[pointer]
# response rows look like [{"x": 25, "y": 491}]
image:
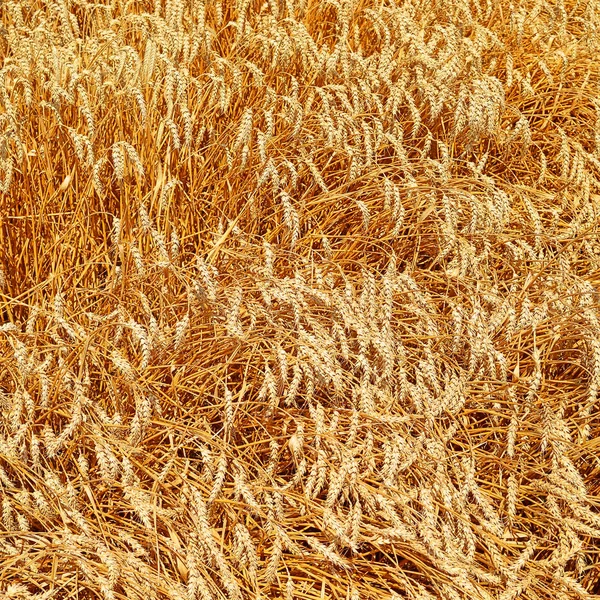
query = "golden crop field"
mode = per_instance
[{"x": 299, "y": 299}]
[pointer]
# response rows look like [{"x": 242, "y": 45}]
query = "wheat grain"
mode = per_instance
[{"x": 347, "y": 381}]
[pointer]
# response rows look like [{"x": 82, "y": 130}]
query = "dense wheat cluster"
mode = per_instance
[{"x": 299, "y": 299}]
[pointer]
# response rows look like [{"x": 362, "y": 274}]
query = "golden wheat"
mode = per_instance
[{"x": 299, "y": 299}]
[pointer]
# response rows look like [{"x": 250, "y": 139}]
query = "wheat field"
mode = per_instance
[{"x": 300, "y": 299}]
